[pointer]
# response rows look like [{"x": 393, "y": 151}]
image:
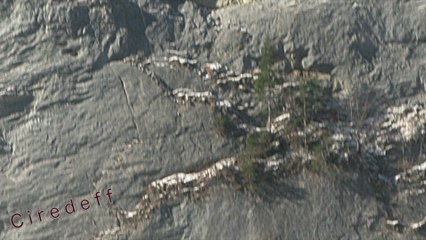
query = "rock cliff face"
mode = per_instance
[
  {"x": 98, "y": 94},
  {"x": 222, "y": 3}
]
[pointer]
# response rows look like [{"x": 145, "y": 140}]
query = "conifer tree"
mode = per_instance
[{"x": 266, "y": 80}]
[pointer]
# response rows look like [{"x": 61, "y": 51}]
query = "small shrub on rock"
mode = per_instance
[
  {"x": 224, "y": 126},
  {"x": 257, "y": 145}
]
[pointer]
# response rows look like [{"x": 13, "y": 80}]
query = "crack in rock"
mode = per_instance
[{"x": 130, "y": 108}]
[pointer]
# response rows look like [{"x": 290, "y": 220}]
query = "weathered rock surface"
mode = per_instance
[
  {"x": 76, "y": 119},
  {"x": 221, "y": 3}
]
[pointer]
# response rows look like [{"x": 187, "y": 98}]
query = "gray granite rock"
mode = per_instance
[{"x": 75, "y": 119}]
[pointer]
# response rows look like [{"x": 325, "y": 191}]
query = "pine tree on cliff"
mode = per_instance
[{"x": 266, "y": 80}]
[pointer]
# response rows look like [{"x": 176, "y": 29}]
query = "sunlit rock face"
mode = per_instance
[
  {"x": 76, "y": 117},
  {"x": 222, "y": 3}
]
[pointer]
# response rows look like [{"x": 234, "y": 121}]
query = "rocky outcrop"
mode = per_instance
[
  {"x": 222, "y": 3},
  {"x": 406, "y": 122},
  {"x": 72, "y": 109}
]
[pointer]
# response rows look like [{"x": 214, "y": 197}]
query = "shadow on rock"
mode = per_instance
[
  {"x": 129, "y": 23},
  {"x": 277, "y": 189},
  {"x": 422, "y": 232},
  {"x": 10, "y": 104},
  {"x": 267, "y": 186}
]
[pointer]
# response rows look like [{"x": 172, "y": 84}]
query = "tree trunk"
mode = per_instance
[
  {"x": 269, "y": 112},
  {"x": 421, "y": 146},
  {"x": 269, "y": 116},
  {"x": 304, "y": 119}
]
